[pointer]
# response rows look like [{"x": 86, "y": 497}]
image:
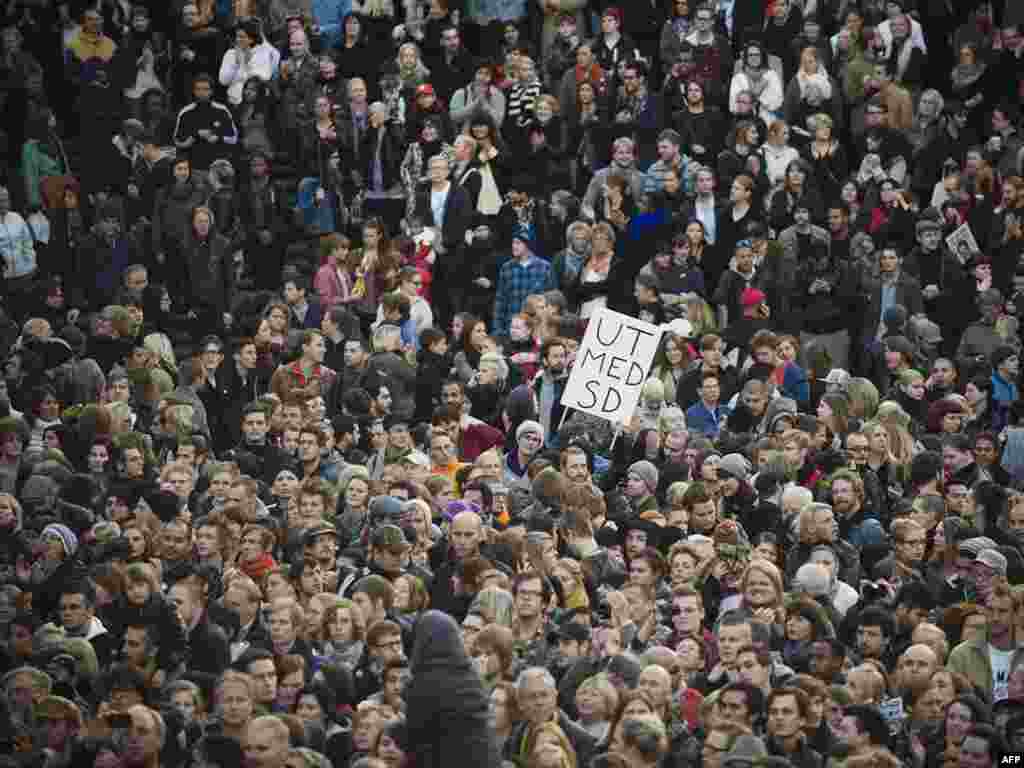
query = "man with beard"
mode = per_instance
[
  {"x": 548, "y": 387},
  {"x": 205, "y": 128},
  {"x": 670, "y": 158},
  {"x": 987, "y": 662},
  {"x": 635, "y": 110},
  {"x": 1008, "y": 220},
  {"x": 700, "y": 125},
  {"x": 857, "y": 524}
]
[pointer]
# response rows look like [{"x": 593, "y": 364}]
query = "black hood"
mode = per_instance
[{"x": 437, "y": 643}]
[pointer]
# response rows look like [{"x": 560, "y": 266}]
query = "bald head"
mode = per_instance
[
  {"x": 916, "y": 666},
  {"x": 932, "y": 636},
  {"x": 466, "y": 533}
]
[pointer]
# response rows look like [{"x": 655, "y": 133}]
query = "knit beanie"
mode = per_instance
[
  {"x": 66, "y": 536},
  {"x": 529, "y": 426}
]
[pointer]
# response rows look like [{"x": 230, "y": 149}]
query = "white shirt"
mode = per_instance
[
  {"x": 235, "y": 69},
  {"x": 1000, "y": 662}
]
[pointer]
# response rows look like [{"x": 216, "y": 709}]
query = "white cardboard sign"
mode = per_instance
[{"x": 611, "y": 366}]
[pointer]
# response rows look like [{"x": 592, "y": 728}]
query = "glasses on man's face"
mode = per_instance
[
  {"x": 395, "y": 644},
  {"x": 913, "y": 543},
  {"x": 532, "y": 594},
  {"x": 534, "y": 697}
]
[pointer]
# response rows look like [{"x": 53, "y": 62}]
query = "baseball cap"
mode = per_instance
[
  {"x": 900, "y": 344},
  {"x": 389, "y": 537},
  {"x": 321, "y": 530},
  {"x": 751, "y": 297},
  {"x": 838, "y": 376},
  {"x": 385, "y": 509},
  {"x": 419, "y": 458},
  {"x": 994, "y": 560},
  {"x": 973, "y": 547},
  {"x": 927, "y": 331}
]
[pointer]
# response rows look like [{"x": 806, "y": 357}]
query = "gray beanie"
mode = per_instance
[
  {"x": 735, "y": 465},
  {"x": 813, "y": 579},
  {"x": 529, "y": 426},
  {"x": 646, "y": 472}
]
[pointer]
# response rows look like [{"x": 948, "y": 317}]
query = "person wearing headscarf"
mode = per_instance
[{"x": 446, "y": 709}]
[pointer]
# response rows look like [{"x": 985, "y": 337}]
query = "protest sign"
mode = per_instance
[{"x": 611, "y": 366}]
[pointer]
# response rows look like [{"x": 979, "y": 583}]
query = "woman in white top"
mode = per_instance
[
  {"x": 777, "y": 153},
  {"x": 762, "y": 81},
  {"x": 251, "y": 57}
]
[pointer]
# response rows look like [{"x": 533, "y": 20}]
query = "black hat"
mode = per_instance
[
  {"x": 573, "y": 630},
  {"x": 315, "y": 533},
  {"x": 164, "y": 504},
  {"x": 651, "y": 529}
]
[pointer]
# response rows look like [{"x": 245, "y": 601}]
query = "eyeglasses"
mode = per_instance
[
  {"x": 393, "y": 644},
  {"x": 916, "y": 543},
  {"x": 530, "y": 593},
  {"x": 535, "y": 697}
]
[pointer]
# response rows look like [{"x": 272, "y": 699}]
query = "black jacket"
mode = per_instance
[
  {"x": 446, "y": 707},
  {"x": 208, "y": 649},
  {"x": 457, "y": 217}
]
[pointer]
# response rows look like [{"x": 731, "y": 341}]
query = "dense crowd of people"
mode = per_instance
[{"x": 291, "y": 294}]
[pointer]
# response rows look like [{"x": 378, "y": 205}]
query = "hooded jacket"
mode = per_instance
[
  {"x": 172, "y": 212},
  {"x": 446, "y": 708}
]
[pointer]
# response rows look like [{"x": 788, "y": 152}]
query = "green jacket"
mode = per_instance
[
  {"x": 35, "y": 166},
  {"x": 971, "y": 660}
]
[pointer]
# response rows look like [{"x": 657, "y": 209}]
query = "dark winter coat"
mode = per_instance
[{"x": 446, "y": 707}]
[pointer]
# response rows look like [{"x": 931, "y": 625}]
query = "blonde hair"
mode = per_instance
[
  {"x": 553, "y": 729},
  {"x": 603, "y": 685}
]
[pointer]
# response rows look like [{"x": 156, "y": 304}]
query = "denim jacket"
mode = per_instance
[{"x": 16, "y": 246}]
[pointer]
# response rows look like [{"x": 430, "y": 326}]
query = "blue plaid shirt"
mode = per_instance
[{"x": 516, "y": 281}]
